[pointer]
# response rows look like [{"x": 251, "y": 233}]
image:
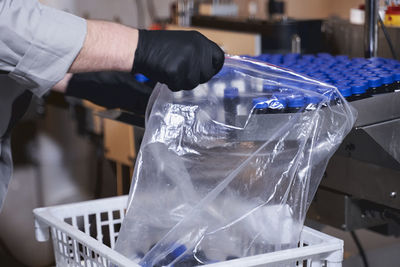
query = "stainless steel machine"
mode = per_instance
[{"x": 361, "y": 185}]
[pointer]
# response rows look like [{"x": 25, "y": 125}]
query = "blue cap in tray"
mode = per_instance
[
  {"x": 313, "y": 99},
  {"x": 260, "y": 102},
  {"x": 231, "y": 92},
  {"x": 397, "y": 76},
  {"x": 295, "y": 100},
  {"x": 178, "y": 251},
  {"x": 358, "y": 89},
  {"x": 387, "y": 78},
  {"x": 374, "y": 81},
  {"x": 345, "y": 90},
  {"x": 269, "y": 87}
]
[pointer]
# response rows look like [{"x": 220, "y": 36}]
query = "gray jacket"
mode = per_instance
[{"x": 37, "y": 46}]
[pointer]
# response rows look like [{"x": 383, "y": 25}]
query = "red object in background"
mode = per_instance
[
  {"x": 393, "y": 10},
  {"x": 156, "y": 27},
  {"x": 392, "y": 16}
]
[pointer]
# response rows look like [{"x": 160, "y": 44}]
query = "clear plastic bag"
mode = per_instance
[{"x": 229, "y": 169}]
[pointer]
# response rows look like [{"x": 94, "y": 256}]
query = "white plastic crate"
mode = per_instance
[{"x": 84, "y": 234}]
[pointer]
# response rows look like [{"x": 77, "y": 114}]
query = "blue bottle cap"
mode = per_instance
[
  {"x": 313, "y": 99},
  {"x": 357, "y": 77},
  {"x": 387, "y": 67},
  {"x": 141, "y": 78},
  {"x": 354, "y": 81},
  {"x": 281, "y": 97},
  {"x": 358, "y": 89},
  {"x": 383, "y": 73},
  {"x": 343, "y": 82},
  {"x": 367, "y": 74},
  {"x": 387, "y": 78},
  {"x": 344, "y": 63},
  {"x": 360, "y": 60},
  {"x": 263, "y": 57},
  {"x": 224, "y": 71},
  {"x": 295, "y": 101},
  {"x": 231, "y": 92},
  {"x": 342, "y": 57},
  {"x": 397, "y": 76},
  {"x": 277, "y": 102},
  {"x": 361, "y": 82},
  {"x": 260, "y": 102},
  {"x": 178, "y": 251},
  {"x": 310, "y": 87},
  {"x": 292, "y": 55},
  {"x": 269, "y": 87},
  {"x": 308, "y": 57},
  {"x": 335, "y": 76},
  {"x": 373, "y": 65},
  {"x": 327, "y": 92},
  {"x": 345, "y": 91},
  {"x": 291, "y": 84},
  {"x": 374, "y": 82}
]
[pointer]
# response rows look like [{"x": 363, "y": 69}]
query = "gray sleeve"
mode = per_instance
[
  {"x": 37, "y": 43},
  {"x": 6, "y": 167}
]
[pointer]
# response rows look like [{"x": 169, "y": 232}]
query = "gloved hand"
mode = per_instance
[
  {"x": 111, "y": 90},
  {"x": 180, "y": 59}
]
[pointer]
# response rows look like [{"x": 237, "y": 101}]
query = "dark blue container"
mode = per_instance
[
  {"x": 260, "y": 105},
  {"x": 345, "y": 91},
  {"x": 308, "y": 57},
  {"x": 277, "y": 103},
  {"x": 295, "y": 102},
  {"x": 374, "y": 85},
  {"x": 231, "y": 93},
  {"x": 387, "y": 82},
  {"x": 342, "y": 58},
  {"x": 329, "y": 93},
  {"x": 172, "y": 256},
  {"x": 270, "y": 88},
  {"x": 231, "y": 101},
  {"x": 342, "y": 82},
  {"x": 312, "y": 101},
  {"x": 397, "y": 81},
  {"x": 359, "y": 91}
]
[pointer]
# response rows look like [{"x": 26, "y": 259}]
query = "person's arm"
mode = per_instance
[
  {"x": 110, "y": 89},
  {"x": 39, "y": 45},
  {"x": 62, "y": 85},
  {"x": 107, "y": 46},
  {"x": 180, "y": 59}
]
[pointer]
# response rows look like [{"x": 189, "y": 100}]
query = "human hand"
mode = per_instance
[
  {"x": 111, "y": 90},
  {"x": 180, "y": 59}
]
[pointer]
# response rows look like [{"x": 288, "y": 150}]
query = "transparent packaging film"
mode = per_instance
[{"x": 229, "y": 169}]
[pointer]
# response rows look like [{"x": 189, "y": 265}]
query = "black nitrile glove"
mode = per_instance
[
  {"x": 180, "y": 59},
  {"x": 111, "y": 90}
]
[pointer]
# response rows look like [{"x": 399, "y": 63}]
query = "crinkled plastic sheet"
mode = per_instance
[{"x": 220, "y": 177}]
